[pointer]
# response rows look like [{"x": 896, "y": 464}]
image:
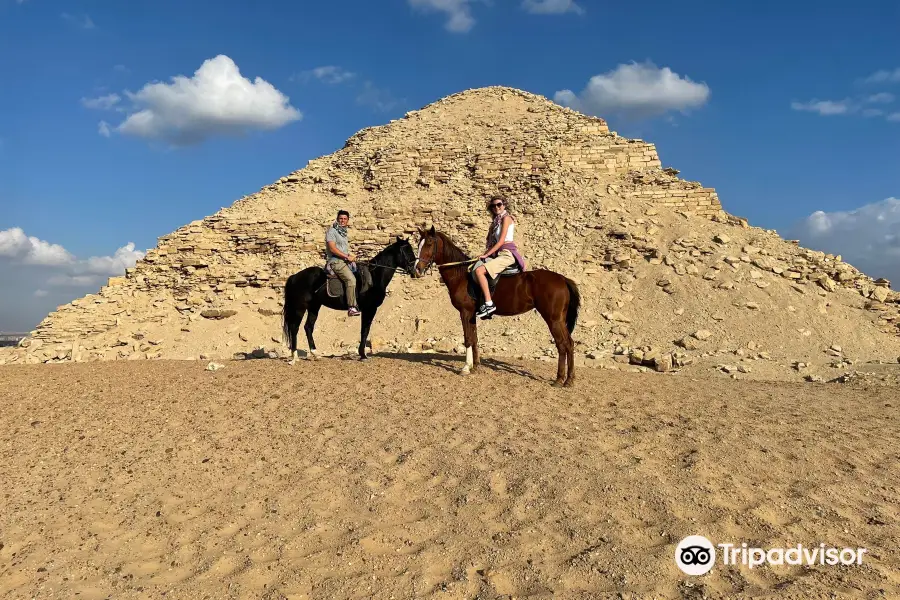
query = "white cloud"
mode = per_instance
[
  {"x": 883, "y": 76},
  {"x": 329, "y": 74},
  {"x": 867, "y": 237},
  {"x": 825, "y": 107},
  {"x": 29, "y": 250},
  {"x": 124, "y": 258},
  {"x": 551, "y": 7},
  {"x": 69, "y": 280},
  {"x": 217, "y": 100},
  {"x": 121, "y": 69},
  {"x": 378, "y": 98},
  {"x": 40, "y": 276},
  {"x": 637, "y": 90},
  {"x": 84, "y": 22},
  {"x": 847, "y": 106},
  {"x": 18, "y": 248},
  {"x": 102, "y": 103},
  {"x": 881, "y": 98},
  {"x": 103, "y": 129},
  {"x": 855, "y": 105},
  {"x": 894, "y": 117},
  {"x": 459, "y": 13}
]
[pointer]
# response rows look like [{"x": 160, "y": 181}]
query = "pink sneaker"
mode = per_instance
[{"x": 353, "y": 312}]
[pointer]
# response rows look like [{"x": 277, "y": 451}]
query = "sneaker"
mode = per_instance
[
  {"x": 486, "y": 311},
  {"x": 353, "y": 312}
]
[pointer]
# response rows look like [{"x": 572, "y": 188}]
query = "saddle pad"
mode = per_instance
[{"x": 334, "y": 287}]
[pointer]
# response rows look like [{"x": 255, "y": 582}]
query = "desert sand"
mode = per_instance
[{"x": 398, "y": 478}]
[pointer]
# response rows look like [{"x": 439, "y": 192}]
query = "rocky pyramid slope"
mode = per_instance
[{"x": 668, "y": 277}]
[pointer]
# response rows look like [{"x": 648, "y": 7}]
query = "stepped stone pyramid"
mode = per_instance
[{"x": 657, "y": 257}]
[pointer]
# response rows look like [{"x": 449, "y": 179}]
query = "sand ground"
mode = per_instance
[{"x": 397, "y": 478}]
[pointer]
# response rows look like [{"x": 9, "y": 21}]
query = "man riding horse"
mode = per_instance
[{"x": 340, "y": 260}]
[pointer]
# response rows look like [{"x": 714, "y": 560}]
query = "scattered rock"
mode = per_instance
[
  {"x": 880, "y": 294},
  {"x": 215, "y": 313},
  {"x": 688, "y": 343},
  {"x": 663, "y": 363}
]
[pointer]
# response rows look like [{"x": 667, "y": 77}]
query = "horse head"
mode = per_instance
[
  {"x": 428, "y": 251},
  {"x": 406, "y": 256}
]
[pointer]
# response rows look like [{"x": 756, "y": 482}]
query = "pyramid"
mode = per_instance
[{"x": 667, "y": 275}]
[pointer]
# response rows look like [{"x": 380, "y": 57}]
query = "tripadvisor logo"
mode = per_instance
[{"x": 696, "y": 555}]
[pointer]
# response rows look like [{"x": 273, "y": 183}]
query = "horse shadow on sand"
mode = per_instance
[{"x": 452, "y": 362}]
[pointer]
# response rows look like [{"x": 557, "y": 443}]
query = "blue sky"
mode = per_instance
[{"x": 788, "y": 124}]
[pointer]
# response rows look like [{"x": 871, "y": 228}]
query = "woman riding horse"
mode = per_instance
[{"x": 501, "y": 253}]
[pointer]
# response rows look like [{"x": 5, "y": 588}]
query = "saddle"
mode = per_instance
[
  {"x": 475, "y": 290},
  {"x": 334, "y": 287}
]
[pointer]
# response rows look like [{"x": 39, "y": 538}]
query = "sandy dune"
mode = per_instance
[{"x": 397, "y": 478}]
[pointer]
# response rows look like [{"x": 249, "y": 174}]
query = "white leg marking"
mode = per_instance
[
  {"x": 294, "y": 357},
  {"x": 469, "y": 361}
]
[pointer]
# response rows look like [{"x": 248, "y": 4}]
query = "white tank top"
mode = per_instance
[{"x": 509, "y": 232}]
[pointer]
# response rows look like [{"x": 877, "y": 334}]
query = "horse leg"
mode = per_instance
[
  {"x": 312, "y": 315},
  {"x": 476, "y": 358},
  {"x": 570, "y": 355},
  {"x": 367, "y": 318},
  {"x": 293, "y": 329},
  {"x": 560, "y": 335},
  {"x": 466, "y": 316},
  {"x": 560, "y": 338}
]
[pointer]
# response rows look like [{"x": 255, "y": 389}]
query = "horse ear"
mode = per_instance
[
  {"x": 399, "y": 239},
  {"x": 431, "y": 231}
]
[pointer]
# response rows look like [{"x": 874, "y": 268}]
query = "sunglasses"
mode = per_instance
[{"x": 496, "y": 205}]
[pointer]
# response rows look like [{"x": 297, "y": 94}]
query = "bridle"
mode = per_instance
[{"x": 396, "y": 268}]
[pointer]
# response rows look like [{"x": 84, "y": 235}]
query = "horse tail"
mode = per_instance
[
  {"x": 574, "y": 304},
  {"x": 287, "y": 310}
]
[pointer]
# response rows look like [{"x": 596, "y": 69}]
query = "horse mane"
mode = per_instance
[
  {"x": 384, "y": 250},
  {"x": 454, "y": 254}
]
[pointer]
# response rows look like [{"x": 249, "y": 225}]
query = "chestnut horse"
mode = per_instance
[{"x": 555, "y": 297}]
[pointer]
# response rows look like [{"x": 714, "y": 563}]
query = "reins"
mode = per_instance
[
  {"x": 397, "y": 269},
  {"x": 452, "y": 264},
  {"x": 432, "y": 263}
]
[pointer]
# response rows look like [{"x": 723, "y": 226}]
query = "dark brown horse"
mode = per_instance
[{"x": 554, "y": 296}]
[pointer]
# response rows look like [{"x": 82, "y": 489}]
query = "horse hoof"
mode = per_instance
[
  {"x": 292, "y": 362},
  {"x": 569, "y": 383},
  {"x": 363, "y": 357},
  {"x": 557, "y": 383},
  {"x": 465, "y": 371}
]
